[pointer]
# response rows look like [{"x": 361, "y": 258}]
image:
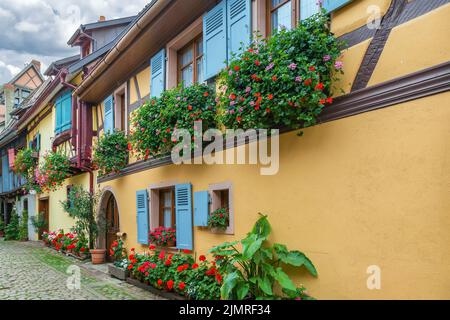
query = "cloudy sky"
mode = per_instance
[{"x": 40, "y": 29}]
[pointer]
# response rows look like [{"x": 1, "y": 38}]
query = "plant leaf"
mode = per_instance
[
  {"x": 250, "y": 245},
  {"x": 229, "y": 283},
  {"x": 265, "y": 285},
  {"x": 284, "y": 280},
  {"x": 242, "y": 290}
]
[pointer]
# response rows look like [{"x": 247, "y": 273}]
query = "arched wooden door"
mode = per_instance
[{"x": 112, "y": 222}]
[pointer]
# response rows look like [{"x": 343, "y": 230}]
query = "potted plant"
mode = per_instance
[
  {"x": 218, "y": 220},
  {"x": 163, "y": 237},
  {"x": 80, "y": 206},
  {"x": 39, "y": 223},
  {"x": 23, "y": 227},
  {"x": 119, "y": 267},
  {"x": 13, "y": 228}
]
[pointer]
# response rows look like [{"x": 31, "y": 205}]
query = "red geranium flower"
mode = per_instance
[
  {"x": 202, "y": 258},
  {"x": 270, "y": 96},
  {"x": 180, "y": 268},
  {"x": 170, "y": 284},
  {"x": 312, "y": 68},
  {"x": 189, "y": 107},
  {"x": 319, "y": 86},
  {"x": 322, "y": 101},
  {"x": 195, "y": 266},
  {"x": 330, "y": 100},
  {"x": 151, "y": 247},
  {"x": 181, "y": 285},
  {"x": 205, "y": 94},
  {"x": 237, "y": 68},
  {"x": 257, "y": 63},
  {"x": 274, "y": 78},
  {"x": 160, "y": 282},
  {"x": 186, "y": 251}
]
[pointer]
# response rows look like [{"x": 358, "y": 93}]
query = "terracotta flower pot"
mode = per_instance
[{"x": 98, "y": 256}]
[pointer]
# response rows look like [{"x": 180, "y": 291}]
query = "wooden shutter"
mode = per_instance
[
  {"x": 66, "y": 111},
  {"x": 108, "y": 121},
  {"x": 238, "y": 25},
  {"x": 215, "y": 40},
  {"x": 158, "y": 73},
  {"x": 183, "y": 217},
  {"x": 38, "y": 142},
  {"x": 142, "y": 216},
  {"x": 308, "y": 8},
  {"x": 201, "y": 208},
  {"x": 332, "y": 5},
  {"x": 58, "y": 122}
]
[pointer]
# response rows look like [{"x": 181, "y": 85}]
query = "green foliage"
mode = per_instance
[
  {"x": 281, "y": 81},
  {"x": 81, "y": 206},
  {"x": 2, "y": 224},
  {"x": 154, "y": 123},
  {"x": 23, "y": 229},
  {"x": 118, "y": 251},
  {"x": 218, "y": 219},
  {"x": 53, "y": 171},
  {"x": 39, "y": 222},
  {"x": 111, "y": 152},
  {"x": 25, "y": 165},
  {"x": 255, "y": 270},
  {"x": 13, "y": 228},
  {"x": 162, "y": 236}
]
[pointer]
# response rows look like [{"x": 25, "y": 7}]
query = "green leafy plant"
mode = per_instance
[
  {"x": 23, "y": 228},
  {"x": 118, "y": 252},
  {"x": 81, "y": 206},
  {"x": 2, "y": 226},
  {"x": 154, "y": 123},
  {"x": 282, "y": 81},
  {"x": 13, "y": 228},
  {"x": 219, "y": 219},
  {"x": 25, "y": 165},
  {"x": 39, "y": 223},
  {"x": 111, "y": 152},
  {"x": 53, "y": 171},
  {"x": 253, "y": 271}
]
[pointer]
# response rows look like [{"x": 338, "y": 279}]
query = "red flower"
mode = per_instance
[
  {"x": 186, "y": 251},
  {"x": 130, "y": 267},
  {"x": 132, "y": 249},
  {"x": 180, "y": 268},
  {"x": 257, "y": 63},
  {"x": 312, "y": 68},
  {"x": 330, "y": 100},
  {"x": 257, "y": 107},
  {"x": 205, "y": 94},
  {"x": 189, "y": 107},
  {"x": 232, "y": 96},
  {"x": 319, "y": 86},
  {"x": 111, "y": 253},
  {"x": 160, "y": 282},
  {"x": 195, "y": 266},
  {"x": 181, "y": 285},
  {"x": 322, "y": 101},
  {"x": 254, "y": 76},
  {"x": 151, "y": 247},
  {"x": 202, "y": 258},
  {"x": 274, "y": 78},
  {"x": 82, "y": 249},
  {"x": 146, "y": 274},
  {"x": 307, "y": 82},
  {"x": 238, "y": 119},
  {"x": 219, "y": 278},
  {"x": 270, "y": 96},
  {"x": 237, "y": 68},
  {"x": 129, "y": 146},
  {"x": 170, "y": 284},
  {"x": 268, "y": 110},
  {"x": 168, "y": 262}
]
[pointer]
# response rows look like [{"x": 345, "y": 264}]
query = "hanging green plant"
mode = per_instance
[
  {"x": 53, "y": 171},
  {"x": 154, "y": 123},
  {"x": 25, "y": 165},
  {"x": 282, "y": 81},
  {"x": 111, "y": 153}
]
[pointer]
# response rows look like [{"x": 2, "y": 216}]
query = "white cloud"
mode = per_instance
[{"x": 40, "y": 29}]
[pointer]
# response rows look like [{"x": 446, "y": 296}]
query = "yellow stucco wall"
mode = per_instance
[
  {"x": 418, "y": 44},
  {"x": 355, "y": 15},
  {"x": 366, "y": 190}
]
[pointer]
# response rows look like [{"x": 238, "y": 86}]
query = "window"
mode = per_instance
[
  {"x": 119, "y": 110},
  {"x": 25, "y": 93},
  {"x": 167, "y": 207},
  {"x": 190, "y": 63},
  {"x": 221, "y": 197},
  {"x": 63, "y": 106},
  {"x": 282, "y": 14}
]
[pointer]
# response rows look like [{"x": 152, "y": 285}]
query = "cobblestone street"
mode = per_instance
[{"x": 30, "y": 271}]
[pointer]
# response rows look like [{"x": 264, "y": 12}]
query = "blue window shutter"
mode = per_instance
[
  {"x": 183, "y": 216},
  {"x": 332, "y": 5},
  {"x": 308, "y": 8},
  {"x": 215, "y": 40},
  {"x": 58, "y": 116},
  {"x": 108, "y": 122},
  {"x": 38, "y": 142},
  {"x": 239, "y": 24},
  {"x": 5, "y": 170},
  {"x": 158, "y": 73},
  {"x": 142, "y": 216},
  {"x": 66, "y": 116},
  {"x": 201, "y": 208}
]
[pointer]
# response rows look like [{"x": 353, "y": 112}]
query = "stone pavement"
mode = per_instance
[{"x": 30, "y": 271}]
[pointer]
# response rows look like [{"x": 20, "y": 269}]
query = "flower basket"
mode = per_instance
[
  {"x": 163, "y": 237},
  {"x": 118, "y": 273}
]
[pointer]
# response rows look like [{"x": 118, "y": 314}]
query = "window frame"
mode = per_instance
[
  {"x": 162, "y": 207},
  {"x": 295, "y": 13},
  {"x": 195, "y": 57},
  {"x": 118, "y": 108},
  {"x": 215, "y": 191}
]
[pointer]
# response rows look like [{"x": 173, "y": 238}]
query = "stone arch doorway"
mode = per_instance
[{"x": 109, "y": 214}]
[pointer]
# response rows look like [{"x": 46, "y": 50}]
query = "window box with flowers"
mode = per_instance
[
  {"x": 284, "y": 81},
  {"x": 218, "y": 220},
  {"x": 51, "y": 174},
  {"x": 111, "y": 153},
  {"x": 119, "y": 267},
  {"x": 163, "y": 237}
]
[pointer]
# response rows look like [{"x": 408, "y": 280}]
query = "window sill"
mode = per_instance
[{"x": 61, "y": 137}]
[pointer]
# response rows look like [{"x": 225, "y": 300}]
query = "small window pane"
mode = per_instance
[
  {"x": 199, "y": 47},
  {"x": 25, "y": 93},
  {"x": 187, "y": 76},
  {"x": 282, "y": 17},
  {"x": 186, "y": 57},
  {"x": 200, "y": 75},
  {"x": 167, "y": 199},
  {"x": 168, "y": 218}
]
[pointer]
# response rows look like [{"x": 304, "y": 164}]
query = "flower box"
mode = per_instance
[
  {"x": 161, "y": 293},
  {"x": 119, "y": 273}
]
